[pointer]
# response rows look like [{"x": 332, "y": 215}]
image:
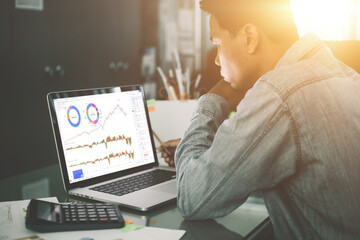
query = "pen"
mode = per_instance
[
  {"x": 157, "y": 137},
  {"x": 163, "y": 77},
  {"x": 197, "y": 81}
]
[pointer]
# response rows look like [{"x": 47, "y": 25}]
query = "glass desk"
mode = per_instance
[{"x": 246, "y": 222}]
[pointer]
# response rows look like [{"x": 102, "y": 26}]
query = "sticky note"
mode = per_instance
[
  {"x": 130, "y": 227},
  {"x": 128, "y": 222},
  {"x": 151, "y": 102},
  {"x": 151, "y": 108}
]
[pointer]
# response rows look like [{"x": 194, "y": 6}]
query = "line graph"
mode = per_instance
[
  {"x": 112, "y": 135},
  {"x": 104, "y": 141},
  {"x": 100, "y": 125},
  {"x": 108, "y": 157}
]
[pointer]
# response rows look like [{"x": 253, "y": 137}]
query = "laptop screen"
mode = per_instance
[{"x": 103, "y": 133}]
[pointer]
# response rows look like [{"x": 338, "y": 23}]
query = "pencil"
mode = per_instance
[{"x": 157, "y": 137}]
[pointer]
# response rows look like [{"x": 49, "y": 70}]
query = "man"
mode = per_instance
[{"x": 295, "y": 135}]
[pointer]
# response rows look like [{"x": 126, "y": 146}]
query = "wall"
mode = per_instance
[
  {"x": 82, "y": 37},
  {"x": 5, "y": 40}
]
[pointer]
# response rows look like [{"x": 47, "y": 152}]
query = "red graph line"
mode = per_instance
[
  {"x": 100, "y": 125},
  {"x": 104, "y": 141},
  {"x": 112, "y": 155}
]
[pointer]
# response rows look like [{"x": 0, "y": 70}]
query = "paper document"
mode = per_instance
[
  {"x": 146, "y": 233},
  {"x": 12, "y": 218}
]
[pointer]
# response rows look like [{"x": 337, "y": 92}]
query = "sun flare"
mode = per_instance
[{"x": 330, "y": 19}]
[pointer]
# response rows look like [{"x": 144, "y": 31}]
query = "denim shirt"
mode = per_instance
[{"x": 295, "y": 137}]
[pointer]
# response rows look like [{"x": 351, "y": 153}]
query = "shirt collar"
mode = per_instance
[{"x": 300, "y": 49}]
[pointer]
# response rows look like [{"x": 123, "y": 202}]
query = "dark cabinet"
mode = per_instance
[{"x": 68, "y": 45}]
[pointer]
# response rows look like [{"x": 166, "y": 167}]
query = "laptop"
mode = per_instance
[{"x": 106, "y": 149}]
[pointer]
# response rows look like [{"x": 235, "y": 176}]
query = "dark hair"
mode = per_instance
[{"x": 273, "y": 17}]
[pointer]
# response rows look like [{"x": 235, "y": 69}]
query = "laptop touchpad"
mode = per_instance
[{"x": 169, "y": 187}]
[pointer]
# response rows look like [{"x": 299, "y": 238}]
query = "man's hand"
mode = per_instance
[
  {"x": 224, "y": 90},
  {"x": 171, "y": 148}
]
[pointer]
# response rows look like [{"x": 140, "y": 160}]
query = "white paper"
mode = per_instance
[
  {"x": 12, "y": 218},
  {"x": 170, "y": 119},
  {"x": 146, "y": 233},
  {"x": 159, "y": 233}
]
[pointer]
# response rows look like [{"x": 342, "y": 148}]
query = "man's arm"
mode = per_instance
[
  {"x": 223, "y": 89},
  {"x": 221, "y": 161}
]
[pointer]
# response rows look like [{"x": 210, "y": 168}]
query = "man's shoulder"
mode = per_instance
[{"x": 287, "y": 79}]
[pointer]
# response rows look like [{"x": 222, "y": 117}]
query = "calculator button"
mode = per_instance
[
  {"x": 92, "y": 215},
  {"x": 114, "y": 219},
  {"x": 83, "y": 219},
  {"x": 93, "y": 219},
  {"x": 104, "y": 219}
]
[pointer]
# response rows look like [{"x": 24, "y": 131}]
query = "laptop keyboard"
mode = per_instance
[{"x": 135, "y": 183}]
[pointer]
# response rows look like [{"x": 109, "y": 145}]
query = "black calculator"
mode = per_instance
[{"x": 45, "y": 216}]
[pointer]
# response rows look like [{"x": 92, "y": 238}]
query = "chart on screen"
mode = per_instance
[{"x": 103, "y": 133}]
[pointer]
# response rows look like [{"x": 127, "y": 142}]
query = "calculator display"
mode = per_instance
[{"x": 49, "y": 211}]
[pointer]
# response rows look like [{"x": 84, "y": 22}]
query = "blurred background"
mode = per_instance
[{"x": 50, "y": 45}]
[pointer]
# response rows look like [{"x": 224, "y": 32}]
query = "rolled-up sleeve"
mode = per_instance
[{"x": 221, "y": 161}]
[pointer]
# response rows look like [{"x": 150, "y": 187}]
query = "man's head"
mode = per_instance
[{"x": 251, "y": 36}]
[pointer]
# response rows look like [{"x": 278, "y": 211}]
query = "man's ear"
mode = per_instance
[{"x": 251, "y": 34}]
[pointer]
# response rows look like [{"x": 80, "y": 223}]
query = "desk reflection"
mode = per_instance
[{"x": 207, "y": 229}]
